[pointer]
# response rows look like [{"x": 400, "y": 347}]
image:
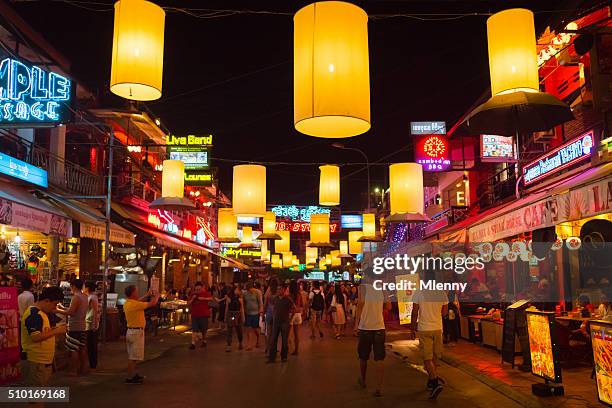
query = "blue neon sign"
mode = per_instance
[
  {"x": 351, "y": 221},
  {"x": 298, "y": 213},
  {"x": 30, "y": 95},
  {"x": 23, "y": 171}
]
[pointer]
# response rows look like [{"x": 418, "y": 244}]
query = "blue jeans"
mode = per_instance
[{"x": 281, "y": 328}]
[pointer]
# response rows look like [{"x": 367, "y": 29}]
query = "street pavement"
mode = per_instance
[{"x": 324, "y": 374}]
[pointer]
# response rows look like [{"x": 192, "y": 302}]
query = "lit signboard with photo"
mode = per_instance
[
  {"x": 351, "y": 221},
  {"x": 30, "y": 95},
  {"x": 601, "y": 338},
  {"x": 194, "y": 151},
  {"x": 544, "y": 362},
  {"x": 23, "y": 171},
  {"x": 433, "y": 152},
  {"x": 568, "y": 154},
  {"x": 494, "y": 148}
]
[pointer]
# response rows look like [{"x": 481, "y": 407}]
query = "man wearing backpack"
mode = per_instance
[{"x": 316, "y": 303}]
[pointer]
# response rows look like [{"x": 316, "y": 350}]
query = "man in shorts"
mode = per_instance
[
  {"x": 200, "y": 312},
  {"x": 134, "y": 308},
  {"x": 316, "y": 304},
  {"x": 428, "y": 308},
  {"x": 370, "y": 326},
  {"x": 76, "y": 337},
  {"x": 38, "y": 338}
]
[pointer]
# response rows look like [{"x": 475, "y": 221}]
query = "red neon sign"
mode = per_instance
[
  {"x": 433, "y": 152},
  {"x": 301, "y": 226}
]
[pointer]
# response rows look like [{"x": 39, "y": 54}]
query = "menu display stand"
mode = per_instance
[
  {"x": 601, "y": 339},
  {"x": 514, "y": 323},
  {"x": 544, "y": 353}
]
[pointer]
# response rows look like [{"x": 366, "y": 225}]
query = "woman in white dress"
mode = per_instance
[{"x": 338, "y": 306}]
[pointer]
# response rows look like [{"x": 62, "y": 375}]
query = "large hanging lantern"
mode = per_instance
[
  {"x": 173, "y": 188},
  {"x": 354, "y": 243},
  {"x": 269, "y": 227},
  {"x": 319, "y": 230},
  {"x": 284, "y": 243},
  {"x": 513, "y": 59},
  {"x": 406, "y": 192},
  {"x": 249, "y": 190},
  {"x": 227, "y": 225},
  {"x": 331, "y": 70},
  {"x": 138, "y": 50},
  {"x": 311, "y": 254},
  {"x": 329, "y": 185}
]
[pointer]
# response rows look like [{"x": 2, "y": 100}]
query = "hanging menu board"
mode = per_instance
[
  {"x": 601, "y": 338},
  {"x": 510, "y": 329},
  {"x": 544, "y": 361}
]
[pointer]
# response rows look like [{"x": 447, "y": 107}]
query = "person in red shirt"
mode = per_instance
[{"x": 200, "y": 312}]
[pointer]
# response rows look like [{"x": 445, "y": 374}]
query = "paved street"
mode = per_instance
[{"x": 323, "y": 375}]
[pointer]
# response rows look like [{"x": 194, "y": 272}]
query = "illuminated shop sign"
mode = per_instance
[
  {"x": 248, "y": 220},
  {"x": 198, "y": 178},
  {"x": 494, "y": 148},
  {"x": 298, "y": 213},
  {"x": 190, "y": 140},
  {"x": 351, "y": 221},
  {"x": 298, "y": 226},
  {"x": 30, "y": 95},
  {"x": 566, "y": 155},
  {"x": 427, "y": 128},
  {"x": 241, "y": 252},
  {"x": 433, "y": 152},
  {"x": 164, "y": 221},
  {"x": 23, "y": 171},
  {"x": 194, "y": 157},
  {"x": 194, "y": 151}
]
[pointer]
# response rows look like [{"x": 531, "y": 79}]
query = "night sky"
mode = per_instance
[{"x": 233, "y": 77}]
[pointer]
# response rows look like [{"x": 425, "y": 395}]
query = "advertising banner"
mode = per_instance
[
  {"x": 9, "y": 335},
  {"x": 543, "y": 355},
  {"x": 601, "y": 338}
]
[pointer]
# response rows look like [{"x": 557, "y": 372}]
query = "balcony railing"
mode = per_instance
[
  {"x": 62, "y": 173},
  {"x": 131, "y": 187},
  {"x": 497, "y": 188}
]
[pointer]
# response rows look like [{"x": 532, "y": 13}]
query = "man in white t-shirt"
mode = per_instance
[
  {"x": 25, "y": 298},
  {"x": 370, "y": 326},
  {"x": 428, "y": 308}
]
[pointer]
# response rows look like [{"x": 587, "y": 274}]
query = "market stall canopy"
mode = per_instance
[
  {"x": 20, "y": 209},
  {"x": 169, "y": 241},
  {"x": 507, "y": 114},
  {"x": 92, "y": 224}
]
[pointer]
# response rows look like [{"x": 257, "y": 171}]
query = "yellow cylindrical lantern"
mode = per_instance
[
  {"x": 329, "y": 185},
  {"x": 406, "y": 188},
  {"x": 354, "y": 244},
  {"x": 344, "y": 250},
  {"x": 269, "y": 222},
  {"x": 295, "y": 261},
  {"x": 369, "y": 225},
  {"x": 265, "y": 254},
  {"x": 331, "y": 70},
  {"x": 283, "y": 244},
  {"x": 249, "y": 190},
  {"x": 247, "y": 235},
  {"x": 138, "y": 50},
  {"x": 335, "y": 258},
  {"x": 513, "y": 59},
  {"x": 276, "y": 261},
  {"x": 287, "y": 259},
  {"x": 227, "y": 223},
  {"x": 311, "y": 254},
  {"x": 173, "y": 178},
  {"x": 328, "y": 259},
  {"x": 322, "y": 265},
  {"x": 319, "y": 228}
]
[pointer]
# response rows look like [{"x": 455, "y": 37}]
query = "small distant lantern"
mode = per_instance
[
  {"x": 354, "y": 243},
  {"x": 287, "y": 259},
  {"x": 329, "y": 185},
  {"x": 328, "y": 259},
  {"x": 369, "y": 229},
  {"x": 513, "y": 58},
  {"x": 265, "y": 254},
  {"x": 227, "y": 225},
  {"x": 406, "y": 192},
  {"x": 344, "y": 250},
  {"x": 311, "y": 254},
  {"x": 247, "y": 237},
  {"x": 319, "y": 230},
  {"x": 249, "y": 190},
  {"x": 269, "y": 227},
  {"x": 173, "y": 188},
  {"x": 322, "y": 264},
  {"x": 138, "y": 50},
  {"x": 295, "y": 261},
  {"x": 276, "y": 261},
  {"x": 284, "y": 243},
  {"x": 335, "y": 258},
  {"x": 331, "y": 70}
]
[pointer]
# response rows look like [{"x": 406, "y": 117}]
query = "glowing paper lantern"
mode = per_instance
[
  {"x": 138, "y": 50},
  {"x": 173, "y": 178},
  {"x": 276, "y": 261},
  {"x": 369, "y": 225},
  {"x": 344, "y": 248},
  {"x": 354, "y": 244},
  {"x": 247, "y": 235},
  {"x": 331, "y": 70},
  {"x": 406, "y": 190},
  {"x": 329, "y": 185},
  {"x": 287, "y": 259},
  {"x": 335, "y": 258},
  {"x": 322, "y": 265},
  {"x": 319, "y": 229},
  {"x": 513, "y": 59},
  {"x": 283, "y": 244},
  {"x": 249, "y": 190},
  {"x": 328, "y": 259},
  {"x": 265, "y": 254},
  {"x": 227, "y": 225},
  {"x": 269, "y": 227},
  {"x": 311, "y": 254},
  {"x": 295, "y": 261}
]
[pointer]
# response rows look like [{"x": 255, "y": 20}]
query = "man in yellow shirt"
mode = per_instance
[
  {"x": 38, "y": 338},
  {"x": 134, "y": 308}
]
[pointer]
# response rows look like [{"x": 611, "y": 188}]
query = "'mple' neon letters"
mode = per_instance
[{"x": 30, "y": 94}]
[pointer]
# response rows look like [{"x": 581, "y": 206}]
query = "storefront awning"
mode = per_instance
[
  {"x": 92, "y": 224},
  {"x": 20, "y": 209}
]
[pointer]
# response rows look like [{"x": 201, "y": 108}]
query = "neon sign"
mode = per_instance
[
  {"x": 23, "y": 171},
  {"x": 30, "y": 95},
  {"x": 189, "y": 140},
  {"x": 236, "y": 252},
  {"x": 198, "y": 178},
  {"x": 566, "y": 155},
  {"x": 494, "y": 148},
  {"x": 301, "y": 226},
  {"x": 298, "y": 213},
  {"x": 351, "y": 221},
  {"x": 432, "y": 151},
  {"x": 427, "y": 128}
]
